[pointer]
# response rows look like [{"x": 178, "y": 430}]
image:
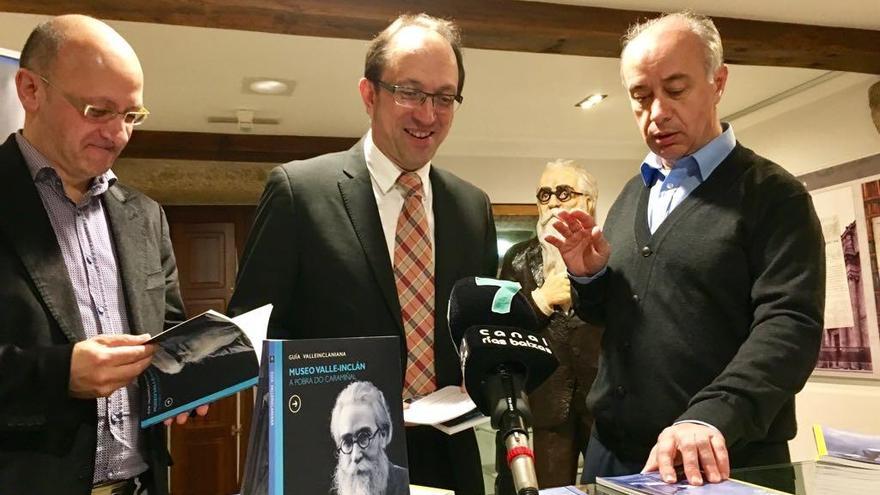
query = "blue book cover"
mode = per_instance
[
  {"x": 651, "y": 484},
  {"x": 328, "y": 419}
]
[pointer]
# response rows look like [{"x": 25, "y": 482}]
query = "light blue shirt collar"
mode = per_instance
[{"x": 708, "y": 158}]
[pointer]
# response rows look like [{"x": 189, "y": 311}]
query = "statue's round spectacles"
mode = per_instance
[{"x": 563, "y": 193}]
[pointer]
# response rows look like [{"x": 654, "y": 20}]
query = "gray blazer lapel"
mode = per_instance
[
  {"x": 357, "y": 196},
  {"x": 25, "y": 223},
  {"x": 129, "y": 230}
]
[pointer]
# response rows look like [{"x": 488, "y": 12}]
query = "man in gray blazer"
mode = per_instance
[
  {"x": 87, "y": 273},
  {"x": 322, "y": 246}
]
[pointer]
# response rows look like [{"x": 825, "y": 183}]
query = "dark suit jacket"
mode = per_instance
[
  {"x": 317, "y": 252},
  {"x": 47, "y": 438}
]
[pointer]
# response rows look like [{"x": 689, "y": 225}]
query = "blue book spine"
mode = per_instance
[{"x": 276, "y": 417}]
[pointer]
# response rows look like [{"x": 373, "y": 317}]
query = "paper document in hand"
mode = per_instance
[
  {"x": 651, "y": 484},
  {"x": 255, "y": 324},
  {"x": 449, "y": 410},
  {"x": 426, "y": 490}
]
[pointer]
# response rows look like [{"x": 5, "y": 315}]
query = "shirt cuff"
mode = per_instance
[
  {"x": 587, "y": 279},
  {"x": 697, "y": 422}
]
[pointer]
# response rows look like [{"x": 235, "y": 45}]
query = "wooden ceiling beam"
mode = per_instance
[
  {"x": 491, "y": 24},
  {"x": 230, "y": 147}
]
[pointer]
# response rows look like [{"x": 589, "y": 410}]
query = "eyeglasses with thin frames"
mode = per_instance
[
  {"x": 563, "y": 193},
  {"x": 362, "y": 438},
  {"x": 98, "y": 114},
  {"x": 414, "y": 98}
]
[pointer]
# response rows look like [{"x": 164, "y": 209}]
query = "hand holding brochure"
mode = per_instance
[
  {"x": 449, "y": 410},
  {"x": 203, "y": 359}
]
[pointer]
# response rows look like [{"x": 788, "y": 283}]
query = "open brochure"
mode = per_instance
[
  {"x": 203, "y": 359},
  {"x": 652, "y": 484},
  {"x": 449, "y": 410}
]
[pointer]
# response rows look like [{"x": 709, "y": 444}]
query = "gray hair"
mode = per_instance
[
  {"x": 361, "y": 393},
  {"x": 377, "y": 52},
  {"x": 700, "y": 25},
  {"x": 586, "y": 182}
]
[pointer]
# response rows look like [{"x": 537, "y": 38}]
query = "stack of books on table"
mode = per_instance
[{"x": 848, "y": 463}]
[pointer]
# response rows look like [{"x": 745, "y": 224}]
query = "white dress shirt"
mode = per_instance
[{"x": 383, "y": 175}]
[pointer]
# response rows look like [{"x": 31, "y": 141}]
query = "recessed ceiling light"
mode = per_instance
[
  {"x": 590, "y": 101},
  {"x": 268, "y": 86}
]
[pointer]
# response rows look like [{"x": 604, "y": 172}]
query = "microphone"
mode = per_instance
[{"x": 502, "y": 360}]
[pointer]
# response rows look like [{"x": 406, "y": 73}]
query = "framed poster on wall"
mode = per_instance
[
  {"x": 11, "y": 113},
  {"x": 850, "y": 216}
]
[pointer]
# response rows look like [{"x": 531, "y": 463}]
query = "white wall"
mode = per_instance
[
  {"x": 515, "y": 179},
  {"x": 824, "y": 126}
]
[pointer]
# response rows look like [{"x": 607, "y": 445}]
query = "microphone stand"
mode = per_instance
[{"x": 514, "y": 460}]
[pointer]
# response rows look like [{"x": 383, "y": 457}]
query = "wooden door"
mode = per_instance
[{"x": 209, "y": 452}]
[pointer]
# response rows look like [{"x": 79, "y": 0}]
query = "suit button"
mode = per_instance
[
  {"x": 646, "y": 251},
  {"x": 636, "y": 298},
  {"x": 620, "y": 391}
]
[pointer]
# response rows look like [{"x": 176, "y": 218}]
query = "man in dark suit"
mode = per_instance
[
  {"x": 709, "y": 278},
  {"x": 327, "y": 230},
  {"x": 87, "y": 272}
]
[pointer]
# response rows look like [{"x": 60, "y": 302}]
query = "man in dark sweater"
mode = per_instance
[{"x": 708, "y": 277}]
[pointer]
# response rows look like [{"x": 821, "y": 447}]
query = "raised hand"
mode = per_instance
[{"x": 580, "y": 242}]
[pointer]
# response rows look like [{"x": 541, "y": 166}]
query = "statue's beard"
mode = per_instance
[
  {"x": 372, "y": 482},
  {"x": 552, "y": 260}
]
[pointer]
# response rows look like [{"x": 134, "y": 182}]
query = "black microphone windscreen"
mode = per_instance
[
  {"x": 487, "y": 347},
  {"x": 486, "y": 301}
]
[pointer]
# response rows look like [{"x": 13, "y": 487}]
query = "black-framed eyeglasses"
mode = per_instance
[
  {"x": 100, "y": 115},
  {"x": 414, "y": 98},
  {"x": 563, "y": 193},
  {"x": 362, "y": 438}
]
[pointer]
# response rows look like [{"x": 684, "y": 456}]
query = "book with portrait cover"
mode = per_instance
[
  {"x": 328, "y": 419},
  {"x": 203, "y": 359}
]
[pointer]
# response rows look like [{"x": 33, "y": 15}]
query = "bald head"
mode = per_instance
[
  {"x": 682, "y": 25},
  {"x": 77, "y": 34}
]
